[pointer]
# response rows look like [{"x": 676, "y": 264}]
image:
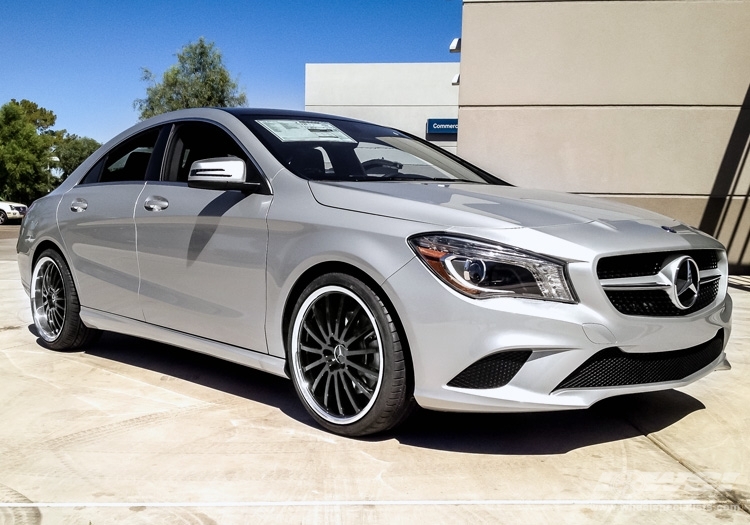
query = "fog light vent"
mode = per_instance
[{"x": 493, "y": 371}]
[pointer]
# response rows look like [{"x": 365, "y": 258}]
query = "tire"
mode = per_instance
[
  {"x": 3, "y": 217},
  {"x": 346, "y": 358},
  {"x": 55, "y": 307}
]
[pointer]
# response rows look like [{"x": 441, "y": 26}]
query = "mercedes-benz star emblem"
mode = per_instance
[{"x": 684, "y": 274}]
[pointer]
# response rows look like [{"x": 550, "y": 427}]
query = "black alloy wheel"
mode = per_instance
[
  {"x": 347, "y": 358},
  {"x": 54, "y": 305}
]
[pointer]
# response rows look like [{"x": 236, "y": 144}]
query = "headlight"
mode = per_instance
[{"x": 483, "y": 270}]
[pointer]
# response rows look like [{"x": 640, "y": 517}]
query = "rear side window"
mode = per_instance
[{"x": 127, "y": 162}]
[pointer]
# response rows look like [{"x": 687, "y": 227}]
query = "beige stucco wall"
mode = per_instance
[
  {"x": 400, "y": 95},
  {"x": 635, "y": 100}
]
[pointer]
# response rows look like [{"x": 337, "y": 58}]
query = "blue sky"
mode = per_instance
[{"x": 82, "y": 59}]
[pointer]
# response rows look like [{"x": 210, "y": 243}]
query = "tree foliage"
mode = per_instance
[
  {"x": 30, "y": 150},
  {"x": 198, "y": 79},
  {"x": 71, "y": 150},
  {"x": 26, "y": 144},
  {"x": 43, "y": 119}
]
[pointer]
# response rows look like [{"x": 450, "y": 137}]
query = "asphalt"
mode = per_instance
[{"x": 131, "y": 431}]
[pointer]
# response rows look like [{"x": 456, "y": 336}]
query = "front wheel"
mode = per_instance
[
  {"x": 54, "y": 305},
  {"x": 346, "y": 357},
  {"x": 3, "y": 217}
]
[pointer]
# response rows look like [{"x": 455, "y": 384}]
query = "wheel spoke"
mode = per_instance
[
  {"x": 348, "y": 393},
  {"x": 362, "y": 335},
  {"x": 310, "y": 349},
  {"x": 326, "y": 389},
  {"x": 322, "y": 372},
  {"x": 54, "y": 318},
  {"x": 328, "y": 314},
  {"x": 311, "y": 334},
  {"x": 325, "y": 332},
  {"x": 351, "y": 321},
  {"x": 314, "y": 364},
  {"x": 362, "y": 388},
  {"x": 362, "y": 351},
  {"x": 46, "y": 279},
  {"x": 336, "y": 377},
  {"x": 363, "y": 370}
]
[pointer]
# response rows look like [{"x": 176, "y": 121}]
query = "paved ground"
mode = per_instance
[{"x": 136, "y": 432}]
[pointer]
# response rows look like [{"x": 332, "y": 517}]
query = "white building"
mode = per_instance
[{"x": 402, "y": 96}]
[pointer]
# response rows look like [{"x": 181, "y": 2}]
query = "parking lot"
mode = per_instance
[{"x": 131, "y": 431}]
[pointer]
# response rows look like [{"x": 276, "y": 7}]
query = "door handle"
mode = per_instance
[
  {"x": 78, "y": 205},
  {"x": 156, "y": 203}
]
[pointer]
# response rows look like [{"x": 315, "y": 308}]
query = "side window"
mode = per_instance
[
  {"x": 197, "y": 141},
  {"x": 126, "y": 162}
]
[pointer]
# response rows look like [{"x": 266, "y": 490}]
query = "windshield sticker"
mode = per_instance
[{"x": 305, "y": 131}]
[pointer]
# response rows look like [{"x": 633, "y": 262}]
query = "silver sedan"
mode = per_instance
[{"x": 375, "y": 270}]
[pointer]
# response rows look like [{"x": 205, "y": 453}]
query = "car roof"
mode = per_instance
[{"x": 291, "y": 113}]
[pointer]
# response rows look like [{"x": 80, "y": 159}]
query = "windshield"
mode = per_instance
[{"x": 319, "y": 148}]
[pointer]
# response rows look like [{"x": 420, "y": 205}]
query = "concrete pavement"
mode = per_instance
[{"x": 131, "y": 431}]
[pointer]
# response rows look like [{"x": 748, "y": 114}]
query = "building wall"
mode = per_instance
[
  {"x": 402, "y": 95},
  {"x": 646, "y": 102}
]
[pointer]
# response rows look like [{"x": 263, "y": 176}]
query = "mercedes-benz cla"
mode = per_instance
[{"x": 372, "y": 268}]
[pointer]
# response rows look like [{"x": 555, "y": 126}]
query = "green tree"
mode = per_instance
[
  {"x": 42, "y": 119},
  {"x": 71, "y": 150},
  {"x": 26, "y": 143},
  {"x": 199, "y": 79}
]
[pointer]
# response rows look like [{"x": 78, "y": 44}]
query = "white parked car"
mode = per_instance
[{"x": 11, "y": 211}]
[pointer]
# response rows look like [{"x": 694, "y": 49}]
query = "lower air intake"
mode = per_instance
[
  {"x": 613, "y": 367},
  {"x": 493, "y": 371}
]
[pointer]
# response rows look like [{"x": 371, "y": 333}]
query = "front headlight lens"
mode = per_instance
[{"x": 483, "y": 269}]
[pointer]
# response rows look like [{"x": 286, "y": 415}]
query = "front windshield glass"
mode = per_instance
[{"x": 339, "y": 150}]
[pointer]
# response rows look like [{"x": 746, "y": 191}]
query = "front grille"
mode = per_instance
[
  {"x": 613, "y": 367},
  {"x": 655, "y": 303},
  {"x": 642, "y": 264},
  {"x": 493, "y": 371}
]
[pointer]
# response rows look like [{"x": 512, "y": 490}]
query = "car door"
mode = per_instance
[
  {"x": 202, "y": 253},
  {"x": 97, "y": 227}
]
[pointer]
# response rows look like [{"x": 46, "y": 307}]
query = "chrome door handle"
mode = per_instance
[
  {"x": 78, "y": 205},
  {"x": 156, "y": 203}
]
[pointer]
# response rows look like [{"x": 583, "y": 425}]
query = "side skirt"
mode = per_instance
[{"x": 115, "y": 323}]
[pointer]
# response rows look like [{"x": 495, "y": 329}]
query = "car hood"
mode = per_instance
[
  {"x": 475, "y": 205},
  {"x": 8, "y": 203}
]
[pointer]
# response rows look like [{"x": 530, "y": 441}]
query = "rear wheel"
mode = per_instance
[
  {"x": 54, "y": 305},
  {"x": 347, "y": 359}
]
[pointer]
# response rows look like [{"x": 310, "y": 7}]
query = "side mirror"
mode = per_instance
[{"x": 223, "y": 173}]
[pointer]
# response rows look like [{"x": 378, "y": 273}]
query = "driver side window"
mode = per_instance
[{"x": 194, "y": 141}]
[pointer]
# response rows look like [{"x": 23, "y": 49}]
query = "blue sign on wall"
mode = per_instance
[{"x": 442, "y": 125}]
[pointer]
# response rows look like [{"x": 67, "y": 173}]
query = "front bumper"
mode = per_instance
[
  {"x": 448, "y": 332},
  {"x": 15, "y": 215}
]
